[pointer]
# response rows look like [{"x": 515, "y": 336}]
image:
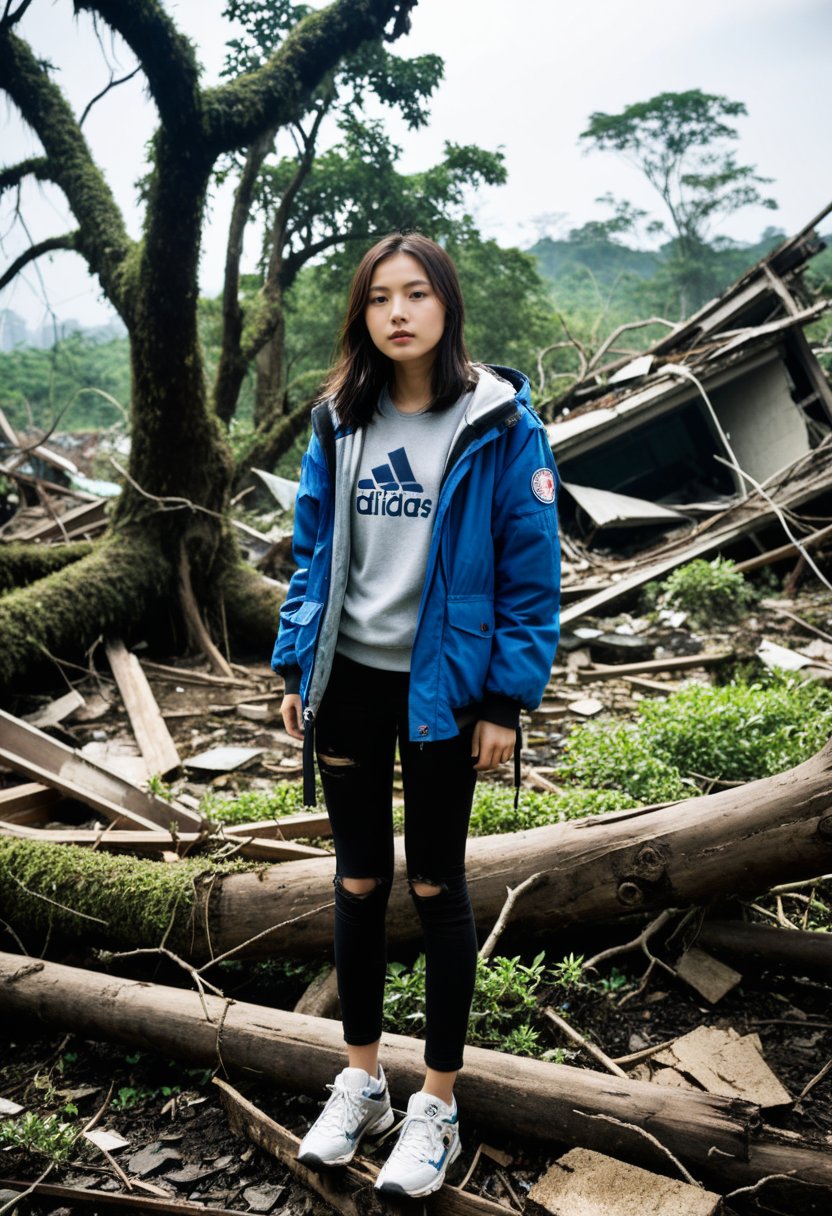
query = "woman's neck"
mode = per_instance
[{"x": 412, "y": 386}]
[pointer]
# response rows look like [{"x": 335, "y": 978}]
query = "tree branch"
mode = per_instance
[
  {"x": 68, "y": 241},
  {"x": 102, "y": 238},
  {"x": 36, "y": 166},
  {"x": 103, "y": 93},
  {"x": 237, "y": 113},
  {"x": 166, "y": 57}
]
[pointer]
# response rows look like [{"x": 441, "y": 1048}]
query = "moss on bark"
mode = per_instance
[
  {"x": 64, "y": 613},
  {"x": 103, "y": 897},
  {"x": 21, "y": 564}
]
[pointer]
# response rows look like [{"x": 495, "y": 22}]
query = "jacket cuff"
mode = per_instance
[
  {"x": 502, "y": 711},
  {"x": 291, "y": 679}
]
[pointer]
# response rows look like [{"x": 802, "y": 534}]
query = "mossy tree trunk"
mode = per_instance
[{"x": 180, "y": 467}]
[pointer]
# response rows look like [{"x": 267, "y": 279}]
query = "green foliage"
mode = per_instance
[
  {"x": 493, "y": 810},
  {"x": 736, "y": 732},
  {"x": 47, "y": 382},
  {"x": 709, "y": 592},
  {"x": 503, "y": 1008},
  {"x": 284, "y": 798},
  {"x": 42, "y": 1136},
  {"x": 676, "y": 140},
  {"x": 130, "y": 1096}
]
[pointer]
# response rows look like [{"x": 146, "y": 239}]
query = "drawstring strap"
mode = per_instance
[
  {"x": 309, "y": 791},
  {"x": 518, "y": 747}
]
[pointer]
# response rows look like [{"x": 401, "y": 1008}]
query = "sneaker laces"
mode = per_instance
[
  {"x": 420, "y": 1140},
  {"x": 343, "y": 1109}
]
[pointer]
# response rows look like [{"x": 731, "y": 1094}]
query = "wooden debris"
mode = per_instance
[
  {"x": 27, "y": 803},
  {"x": 601, "y": 1057},
  {"x": 349, "y": 1191},
  {"x": 56, "y": 711},
  {"x": 27, "y": 750},
  {"x": 679, "y": 662},
  {"x": 105, "y": 1201},
  {"x": 706, "y": 975},
  {"x": 158, "y": 843},
  {"x": 254, "y": 713},
  {"x": 304, "y": 824},
  {"x": 81, "y": 521},
  {"x": 152, "y": 735},
  {"x": 652, "y": 686},
  {"x": 584, "y": 1183},
  {"x": 534, "y": 1098},
  {"x": 109, "y": 1141},
  {"x": 724, "y": 1062}
]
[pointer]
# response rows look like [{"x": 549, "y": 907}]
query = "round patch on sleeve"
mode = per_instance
[{"x": 543, "y": 485}]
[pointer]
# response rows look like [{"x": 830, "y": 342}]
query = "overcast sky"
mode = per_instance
[{"x": 522, "y": 75}]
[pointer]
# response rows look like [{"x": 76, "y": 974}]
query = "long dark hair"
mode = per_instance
[{"x": 362, "y": 370}]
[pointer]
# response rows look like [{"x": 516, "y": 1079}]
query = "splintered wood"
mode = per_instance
[
  {"x": 585, "y": 1183},
  {"x": 152, "y": 735}
]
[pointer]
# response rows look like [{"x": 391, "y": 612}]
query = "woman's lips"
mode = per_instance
[{"x": 402, "y": 338}]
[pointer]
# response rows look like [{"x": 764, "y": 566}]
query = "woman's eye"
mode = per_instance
[
  {"x": 377, "y": 299},
  {"x": 418, "y": 295}
]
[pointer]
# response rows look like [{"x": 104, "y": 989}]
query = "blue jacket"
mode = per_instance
[{"x": 487, "y": 627}]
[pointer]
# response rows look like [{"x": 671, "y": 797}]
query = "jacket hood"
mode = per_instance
[{"x": 495, "y": 386}]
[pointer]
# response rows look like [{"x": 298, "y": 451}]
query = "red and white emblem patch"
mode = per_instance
[{"x": 543, "y": 485}]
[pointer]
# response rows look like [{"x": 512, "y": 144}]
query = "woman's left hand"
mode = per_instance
[{"x": 492, "y": 745}]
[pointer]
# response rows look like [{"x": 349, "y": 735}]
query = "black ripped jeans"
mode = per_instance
[{"x": 362, "y": 715}]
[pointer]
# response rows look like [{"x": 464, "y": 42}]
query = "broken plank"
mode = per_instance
[
  {"x": 29, "y": 751},
  {"x": 89, "y": 514},
  {"x": 152, "y": 735},
  {"x": 348, "y": 1190},
  {"x": 776, "y": 555},
  {"x": 189, "y": 676},
  {"x": 56, "y": 711},
  {"x": 305, "y": 824},
  {"x": 112, "y": 1201},
  {"x": 723, "y": 1062},
  {"x": 673, "y": 663},
  {"x": 157, "y": 842},
  {"x": 652, "y": 686},
  {"x": 27, "y": 803},
  {"x": 706, "y": 975}
]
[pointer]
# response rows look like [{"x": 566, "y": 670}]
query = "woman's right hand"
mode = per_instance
[{"x": 291, "y": 712}]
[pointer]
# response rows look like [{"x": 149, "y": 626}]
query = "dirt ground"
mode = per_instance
[{"x": 178, "y": 1138}]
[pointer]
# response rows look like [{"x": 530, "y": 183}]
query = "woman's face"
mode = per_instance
[{"x": 404, "y": 315}]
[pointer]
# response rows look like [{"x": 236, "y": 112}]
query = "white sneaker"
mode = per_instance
[
  {"x": 354, "y": 1109},
  {"x": 428, "y": 1143}
]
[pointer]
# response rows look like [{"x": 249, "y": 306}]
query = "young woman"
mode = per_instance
[{"x": 424, "y": 611}]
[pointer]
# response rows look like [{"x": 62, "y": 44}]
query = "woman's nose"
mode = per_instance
[{"x": 398, "y": 309}]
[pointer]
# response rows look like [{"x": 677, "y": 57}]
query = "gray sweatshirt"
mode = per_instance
[{"x": 392, "y": 510}]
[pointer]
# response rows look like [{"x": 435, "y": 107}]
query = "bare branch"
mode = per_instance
[
  {"x": 647, "y": 1136},
  {"x": 10, "y": 18},
  {"x": 112, "y": 85},
  {"x": 68, "y": 241},
  {"x": 165, "y": 55},
  {"x": 102, "y": 238},
  {"x": 608, "y": 341}
]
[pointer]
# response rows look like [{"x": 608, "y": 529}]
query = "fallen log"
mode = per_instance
[
  {"x": 716, "y": 1137},
  {"x": 798, "y": 951},
  {"x": 739, "y": 841}
]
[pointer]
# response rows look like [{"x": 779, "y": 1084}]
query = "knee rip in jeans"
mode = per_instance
[
  {"x": 425, "y": 888},
  {"x": 334, "y": 765},
  {"x": 366, "y": 886}
]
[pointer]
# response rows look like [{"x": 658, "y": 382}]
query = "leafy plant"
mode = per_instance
[
  {"x": 284, "y": 798},
  {"x": 739, "y": 732},
  {"x": 46, "y": 1136},
  {"x": 502, "y": 1011},
  {"x": 709, "y": 592}
]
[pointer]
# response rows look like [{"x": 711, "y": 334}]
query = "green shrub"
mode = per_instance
[
  {"x": 737, "y": 732},
  {"x": 502, "y": 1011},
  {"x": 709, "y": 592},
  {"x": 284, "y": 798},
  {"x": 44, "y": 1137}
]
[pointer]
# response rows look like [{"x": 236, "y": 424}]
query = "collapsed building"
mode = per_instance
[{"x": 730, "y": 399}]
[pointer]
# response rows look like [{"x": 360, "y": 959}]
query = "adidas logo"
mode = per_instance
[
  {"x": 385, "y": 492},
  {"x": 384, "y": 476}
]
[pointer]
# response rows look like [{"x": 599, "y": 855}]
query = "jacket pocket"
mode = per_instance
[
  {"x": 467, "y": 647},
  {"x": 307, "y": 612}
]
